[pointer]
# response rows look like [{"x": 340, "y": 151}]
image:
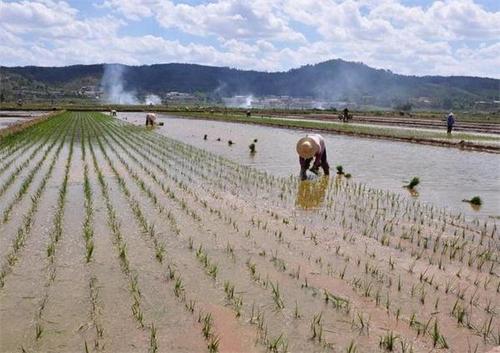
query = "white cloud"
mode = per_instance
[
  {"x": 131, "y": 9},
  {"x": 228, "y": 19},
  {"x": 446, "y": 37}
]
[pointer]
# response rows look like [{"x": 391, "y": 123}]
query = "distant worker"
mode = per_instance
[
  {"x": 450, "y": 121},
  {"x": 150, "y": 119},
  {"x": 345, "y": 114},
  {"x": 309, "y": 147},
  {"x": 113, "y": 112}
]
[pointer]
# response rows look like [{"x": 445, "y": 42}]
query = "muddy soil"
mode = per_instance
[{"x": 133, "y": 241}]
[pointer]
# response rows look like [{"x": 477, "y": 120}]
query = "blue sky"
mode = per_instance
[{"x": 418, "y": 37}]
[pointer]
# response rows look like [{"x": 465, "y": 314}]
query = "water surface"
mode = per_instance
[
  {"x": 447, "y": 175},
  {"x": 8, "y": 118}
]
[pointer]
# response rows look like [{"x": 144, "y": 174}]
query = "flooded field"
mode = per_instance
[
  {"x": 115, "y": 238},
  {"x": 447, "y": 175},
  {"x": 8, "y": 118}
]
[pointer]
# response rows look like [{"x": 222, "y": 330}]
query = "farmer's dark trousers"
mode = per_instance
[
  {"x": 305, "y": 163},
  {"x": 450, "y": 127}
]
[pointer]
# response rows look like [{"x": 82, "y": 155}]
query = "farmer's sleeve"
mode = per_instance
[{"x": 319, "y": 155}]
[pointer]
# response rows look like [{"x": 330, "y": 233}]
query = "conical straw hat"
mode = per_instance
[{"x": 307, "y": 147}]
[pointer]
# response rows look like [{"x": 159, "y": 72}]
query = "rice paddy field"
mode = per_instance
[
  {"x": 9, "y": 118},
  {"x": 114, "y": 238}
]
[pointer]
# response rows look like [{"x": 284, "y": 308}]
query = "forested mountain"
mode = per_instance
[{"x": 331, "y": 80}]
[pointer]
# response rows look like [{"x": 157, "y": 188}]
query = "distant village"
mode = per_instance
[{"x": 174, "y": 98}]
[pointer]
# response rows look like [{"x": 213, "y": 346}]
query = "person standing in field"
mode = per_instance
[
  {"x": 312, "y": 147},
  {"x": 345, "y": 115},
  {"x": 450, "y": 121}
]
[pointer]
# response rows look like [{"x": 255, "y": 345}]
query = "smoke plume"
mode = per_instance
[
  {"x": 112, "y": 85},
  {"x": 152, "y": 99}
]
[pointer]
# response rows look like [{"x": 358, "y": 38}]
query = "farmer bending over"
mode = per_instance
[
  {"x": 309, "y": 147},
  {"x": 150, "y": 119}
]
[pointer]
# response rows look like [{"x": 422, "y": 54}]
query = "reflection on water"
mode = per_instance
[
  {"x": 6, "y": 122},
  {"x": 8, "y": 118},
  {"x": 311, "y": 193},
  {"x": 447, "y": 175}
]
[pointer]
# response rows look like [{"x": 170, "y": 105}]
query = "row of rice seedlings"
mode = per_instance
[
  {"x": 142, "y": 154},
  {"x": 30, "y": 137},
  {"x": 24, "y": 229},
  {"x": 211, "y": 269},
  {"x": 121, "y": 248},
  {"x": 200, "y": 253},
  {"x": 88, "y": 236},
  {"x": 388, "y": 303},
  {"x": 424, "y": 244},
  {"x": 141, "y": 220},
  {"x": 179, "y": 291},
  {"x": 55, "y": 235},
  {"x": 95, "y": 310},
  {"x": 23, "y": 188},
  {"x": 208, "y": 333},
  {"x": 166, "y": 190},
  {"x": 57, "y": 230},
  {"x": 32, "y": 141},
  {"x": 13, "y": 146},
  {"x": 134, "y": 204},
  {"x": 13, "y": 175},
  {"x": 88, "y": 229},
  {"x": 181, "y": 161},
  {"x": 236, "y": 301},
  {"x": 367, "y": 288}
]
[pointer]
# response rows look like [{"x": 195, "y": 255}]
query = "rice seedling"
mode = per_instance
[
  {"x": 229, "y": 290},
  {"x": 337, "y": 301},
  {"x": 278, "y": 344},
  {"x": 438, "y": 339},
  {"x": 317, "y": 327},
  {"x": 153, "y": 343},
  {"x": 413, "y": 183},
  {"x": 179, "y": 287},
  {"x": 278, "y": 300},
  {"x": 475, "y": 201},
  {"x": 388, "y": 342},
  {"x": 296, "y": 312},
  {"x": 351, "y": 348},
  {"x": 38, "y": 331},
  {"x": 360, "y": 322},
  {"x": 213, "y": 344}
]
